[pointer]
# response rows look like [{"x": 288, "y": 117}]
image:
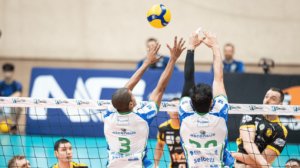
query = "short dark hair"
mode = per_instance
[
  {"x": 201, "y": 96},
  {"x": 8, "y": 67},
  {"x": 280, "y": 91},
  {"x": 293, "y": 160},
  {"x": 13, "y": 160},
  {"x": 151, "y": 39},
  {"x": 174, "y": 99},
  {"x": 61, "y": 141},
  {"x": 121, "y": 99},
  {"x": 229, "y": 44}
]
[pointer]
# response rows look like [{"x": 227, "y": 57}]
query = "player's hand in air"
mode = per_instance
[
  {"x": 177, "y": 49},
  {"x": 152, "y": 54},
  {"x": 195, "y": 41},
  {"x": 211, "y": 41}
]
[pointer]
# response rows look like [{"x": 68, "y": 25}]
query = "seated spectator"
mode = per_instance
[
  {"x": 292, "y": 163},
  {"x": 229, "y": 64},
  {"x": 64, "y": 154},
  {"x": 18, "y": 161},
  {"x": 159, "y": 65}
]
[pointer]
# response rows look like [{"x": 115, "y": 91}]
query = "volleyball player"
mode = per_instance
[
  {"x": 126, "y": 132},
  {"x": 64, "y": 153},
  {"x": 18, "y": 161},
  {"x": 262, "y": 137},
  {"x": 204, "y": 133},
  {"x": 168, "y": 133}
]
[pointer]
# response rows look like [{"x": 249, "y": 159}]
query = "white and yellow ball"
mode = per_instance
[{"x": 159, "y": 16}]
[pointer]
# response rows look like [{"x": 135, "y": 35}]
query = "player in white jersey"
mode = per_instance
[
  {"x": 203, "y": 132},
  {"x": 126, "y": 132}
]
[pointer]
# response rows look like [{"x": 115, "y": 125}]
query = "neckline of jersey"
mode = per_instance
[
  {"x": 201, "y": 114},
  {"x": 125, "y": 113},
  {"x": 276, "y": 120},
  {"x": 171, "y": 124}
]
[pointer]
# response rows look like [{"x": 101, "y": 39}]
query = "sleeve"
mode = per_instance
[
  {"x": 278, "y": 142},
  {"x": 189, "y": 76},
  {"x": 109, "y": 110},
  {"x": 185, "y": 108},
  {"x": 148, "y": 111},
  {"x": 18, "y": 87},
  {"x": 247, "y": 122},
  {"x": 161, "y": 135},
  {"x": 241, "y": 68},
  {"x": 220, "y": 106}
]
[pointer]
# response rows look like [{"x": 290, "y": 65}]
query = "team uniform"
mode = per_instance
[
  {"x": 269, "y": 134},
  {"x": 169, "y": 134},
  {"x": 127, "y": 136},
  {"x": 73, "y": 165},
  {"x": 204, "y": 136},
  {"x": 7, "y": 90},
  {"x": 234, "y": 66}
]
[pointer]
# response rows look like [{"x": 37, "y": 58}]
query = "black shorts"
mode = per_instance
[{"x": 241, "y": 150}]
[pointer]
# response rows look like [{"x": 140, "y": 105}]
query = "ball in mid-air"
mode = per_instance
[
  {"x": 4, "y": 127},
  {"x": 159, "y": 16}
]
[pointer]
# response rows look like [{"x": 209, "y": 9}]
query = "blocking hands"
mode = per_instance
[
  {"x": 211, "y": 39},
  {"x": 177, "y": 49},
  {"x": 194, "y": 41},
  {"x": 152, "y": 54}
]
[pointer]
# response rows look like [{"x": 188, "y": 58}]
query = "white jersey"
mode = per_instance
[
  {"x": 204, "y": 135},
  {"x": 127, "y": 136}
]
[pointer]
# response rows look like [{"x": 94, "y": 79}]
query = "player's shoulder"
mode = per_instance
[
  {"x": 221, "y": 99},
  {"x": 55, "y": 166},
  {"x": 185, "y": 105},
  {"x": 2, "y": 82},
  {"x": 165, "y": 124},
  {"x": 17, "y": 83},
  {"x": 79, "y": 165},
  {"x": 281, "y": 129},
  {"x": 148, "y": 107}
]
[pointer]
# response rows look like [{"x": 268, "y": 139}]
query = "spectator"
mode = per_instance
[
  {"x": 229, "y": 64},
  {"x": 18, "y": 161},
  {"x": 292, "y": 163},
  {"x": 159, "y": 65}
]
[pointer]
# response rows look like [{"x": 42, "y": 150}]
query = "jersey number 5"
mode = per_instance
[{"x": 126, "y": 144}]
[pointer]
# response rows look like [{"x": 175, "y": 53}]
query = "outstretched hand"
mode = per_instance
[
  {"x": 177, "y": 49},
  {"x": 152, "y": 54},
  {"x": 211, "y": 41},
  {"x": 195, "y": 41}
]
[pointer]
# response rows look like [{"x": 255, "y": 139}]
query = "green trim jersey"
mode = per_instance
[
  {"x": 269, "y": 134},
  {"x": 204, "y": 136},
  {"x": 169, "y": 134},
  {"x": 127, "y": 136}
]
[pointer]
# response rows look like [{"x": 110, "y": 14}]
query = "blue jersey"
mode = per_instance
[
  {"x": 161, "y": 64},
  {"x": 204, "y": 136},
  {"x": 234, "y": 66},
  {"x": 7, "y": 90},
  {"x": 127, "y": 136}
]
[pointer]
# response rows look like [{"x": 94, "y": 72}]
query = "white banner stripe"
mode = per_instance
[{"x": 165, "y": 106}]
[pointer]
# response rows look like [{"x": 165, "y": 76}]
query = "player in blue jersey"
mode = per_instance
[
  {"x": 203, "y": 123},
  {"x": 126, "y": 132}
]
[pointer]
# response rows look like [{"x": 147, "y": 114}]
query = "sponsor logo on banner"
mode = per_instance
[
  {"x": 296, "y": 108},
  {"x": 276, "y": 108},
  {"x": 17, "y": 100},
  {"x": 143, "y": 104},
  {"x": 166, "y": 104},
  {"x": 37, "y": 101},
  {"x": 124, "y": 132},
  {"x": 233, "y": 107},
  {"x": 203, "y": 134},
  {"x": 2, "y": 100},
  {"x": 80, "y": 102},
  {"x": 101, "y": 103},
  {"x": 279, "y": 142},
  {"x": 253, "y": 107},
  {"x": 61, "y": 102}
]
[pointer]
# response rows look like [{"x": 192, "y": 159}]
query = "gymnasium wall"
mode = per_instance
[{"x": 117, "y": 30}]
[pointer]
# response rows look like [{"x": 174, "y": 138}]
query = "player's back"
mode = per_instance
[
  {"x": 127, "y": 135},
  {"x": 204, "y": 135}
]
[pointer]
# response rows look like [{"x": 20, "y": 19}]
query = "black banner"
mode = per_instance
[{"x": 251, "y": 89}]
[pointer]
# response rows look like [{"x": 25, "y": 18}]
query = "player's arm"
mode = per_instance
[
  {"x": 218, "y": 84},
  {"x": 151, "y": 58},
  {"x": 166, "y": 75},
  {"x": 189, "y": 67},
  {"x": 159, "y": 151},
  {"x": 16, "y": 94}
]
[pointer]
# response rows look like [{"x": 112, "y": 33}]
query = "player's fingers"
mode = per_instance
[
  {"x": 157, "y": 48},
  {"x": 183, "y": 49},
  {"x": 175, "y": 41},
  {"x": 180, "y": 41},
  {"x": 169, "y": 47},
  {"x": 160, "y": 57},
  {"x": 182, "y": 44}
]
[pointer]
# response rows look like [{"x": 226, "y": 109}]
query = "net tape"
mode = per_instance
[{"x": 165, "y": 106}]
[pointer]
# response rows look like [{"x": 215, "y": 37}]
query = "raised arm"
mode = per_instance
[
  {"x": 218, "y": 84},
  {"x": 151, "y": 58},
  {"x": 189, "y": 67},
  {"x": 166, "y": 75}
]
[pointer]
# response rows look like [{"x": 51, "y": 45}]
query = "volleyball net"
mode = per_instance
[{"x": 81, "y": 122}]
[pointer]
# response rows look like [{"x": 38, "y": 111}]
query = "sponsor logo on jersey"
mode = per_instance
[
  {"x": 178, "y": 148},
  {"x": 196, "y": 152},
  {"x": 101, "y": 103},
  {"x": 123, "y": 120},
  {"x": 215, "y": 153},
  {"x": 169, "y": 132},
  {"x": 246, "y": 118},
  {"x": 262, "y": 126},
  {"x": 203, "y": 134},
  {"x": 220, "y": 101},
  {"x": 124, "y": 132},
  {"x": 204, "y": 159},
  {"x": 276, "y": 108},
  {"x": 151, "y": 114},
  {"x": 133, "y": 159},
  {"x": 253, "y": 107},
  {"x": 166, "y": 104},
  {"x": 279, "y": 142},
  {"x": 269, "y": 132},
  {"x": 177, "y": 139},
  {"x": 80, "y": 102},
  {"x": 214, "y": 166},
  {"x": 202, "y": 122},
  {"x": 37, "y": 101},
  {"x": 17, "y": 100},
  {"x": 184, "y": 102},
  {"x": 170, "y": 139},
  {"x": 232, "y": 107},
  {"x": 61, "y": 102}
]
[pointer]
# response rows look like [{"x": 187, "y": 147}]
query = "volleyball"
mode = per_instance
[
  {"x": 4, "y": 127},
  {"x": 159, "y": 16}
]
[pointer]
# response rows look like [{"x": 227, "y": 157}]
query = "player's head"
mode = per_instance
[
  {"x": 274, "y": 96},
  {"x": 201, "y": 96},
  {"x": 18, "y": 161},
  {"x": 8, "y": 70},
  {"x": 292, "y": 163},
  {"x": 123, "y": 100},
  {"x": 151, "y": 41},
  {"x": 63, "y": 150},
  {"x": 228, "y": 51},
  {"x": 172, "y": 114}
]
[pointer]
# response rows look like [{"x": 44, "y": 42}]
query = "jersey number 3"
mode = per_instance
[
  {"x": 126, "y": 144},
  {"x": 214, "y": 142}
]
